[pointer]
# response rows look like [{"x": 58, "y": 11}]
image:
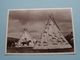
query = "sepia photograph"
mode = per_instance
[{"x": 40, "y": 31}]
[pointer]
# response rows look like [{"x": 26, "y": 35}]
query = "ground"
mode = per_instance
[{"x": 31, "y": 50}]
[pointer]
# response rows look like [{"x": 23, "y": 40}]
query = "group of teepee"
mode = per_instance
[{"x": 51, "y": 38}]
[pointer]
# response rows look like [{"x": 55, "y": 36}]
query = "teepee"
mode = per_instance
[
  {"x": 26, "y": 40},
  {"x": 51, "y": 37}
]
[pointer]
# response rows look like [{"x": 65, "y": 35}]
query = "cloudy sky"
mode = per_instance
[{"x": 35, "y": 20}]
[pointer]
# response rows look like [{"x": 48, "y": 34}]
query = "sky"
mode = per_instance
[{"x": 35, "y": 19}]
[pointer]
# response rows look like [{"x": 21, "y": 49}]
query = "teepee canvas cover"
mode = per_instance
[
  {"x": 26, "y": 37},
  {"x": 52, "y": 38}
]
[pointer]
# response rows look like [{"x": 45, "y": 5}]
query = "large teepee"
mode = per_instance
[
  {"x": 52, "y": 38},
  {"x": 26, "y": 40}
]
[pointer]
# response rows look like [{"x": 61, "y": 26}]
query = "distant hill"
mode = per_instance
[{"x": 12, "y": 39}]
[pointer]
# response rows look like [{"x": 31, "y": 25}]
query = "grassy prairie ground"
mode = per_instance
[{"x": 31, "y": 50}]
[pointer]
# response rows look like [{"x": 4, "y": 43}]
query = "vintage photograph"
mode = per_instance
[{"x": 40, "y": 31}]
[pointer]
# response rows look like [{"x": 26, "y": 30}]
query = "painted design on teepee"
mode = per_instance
[
  {"x": 52, "y": 38},
  {"x": 26, "y": 40}
]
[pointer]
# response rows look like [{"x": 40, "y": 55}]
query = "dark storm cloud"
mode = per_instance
[
  {"x": 26, "y": 16},
  {"x": 61, "y": 15},
  {"x": 21, "y": 16}
]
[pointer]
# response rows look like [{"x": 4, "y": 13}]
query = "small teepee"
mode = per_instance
[
  {"x": 52, "y": 38},
  {"x": 26, "y": 40}
]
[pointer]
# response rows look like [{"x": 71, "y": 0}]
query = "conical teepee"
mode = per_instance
[
  {"x": 26, "y": 39},
  {"x": 52, "y": 38}
]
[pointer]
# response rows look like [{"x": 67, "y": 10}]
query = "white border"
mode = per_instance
[
  {"x": 39, "y": 53},
  {"x": 73, "y": 31}
]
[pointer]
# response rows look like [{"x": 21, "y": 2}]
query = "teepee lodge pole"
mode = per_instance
[{"x": 51, "y": 16}]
